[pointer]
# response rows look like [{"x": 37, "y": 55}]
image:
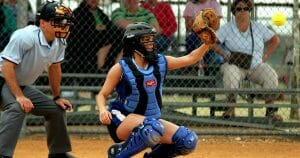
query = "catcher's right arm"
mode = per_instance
[{"x": 205, "y": 24}]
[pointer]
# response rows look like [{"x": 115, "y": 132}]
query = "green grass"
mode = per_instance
[{"x": 205, "y": 111}]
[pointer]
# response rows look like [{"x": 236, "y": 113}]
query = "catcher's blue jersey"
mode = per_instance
[{"x": 140, "y": 90}]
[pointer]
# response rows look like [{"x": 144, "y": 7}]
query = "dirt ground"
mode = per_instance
[{"x": 208, "y": 147}]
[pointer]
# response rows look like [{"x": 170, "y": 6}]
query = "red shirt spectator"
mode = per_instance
[{"x": 164, "y": 15}]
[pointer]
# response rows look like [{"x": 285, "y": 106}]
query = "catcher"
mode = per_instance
[{"x": 134, "y": 117}]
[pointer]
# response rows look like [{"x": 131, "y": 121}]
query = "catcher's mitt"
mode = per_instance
[{"x": 206, "y": 22}]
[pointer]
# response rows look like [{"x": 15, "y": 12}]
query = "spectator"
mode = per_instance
[
  {"x": 192, "y": 8},
  {"x": 9, "y": 14},
  {"x": 245, "y": 40},
  {"x": 211, "y": 60},
  {"x": 30, "y": 52},
  {"x": 2, "y": 17},
  {"x": 166, "y": 20},
  {"x": 131, "y": 12},
  {"x": 8, "y": 24},
  {"x": 287, "y": 62},
  {"x": 210, "y": 64},
  {"x": 13, "y": 5},
  {"x": 288, "y": 55},
  {"x": 134, "y": 117},
  {"x": 92, "y": 34}
]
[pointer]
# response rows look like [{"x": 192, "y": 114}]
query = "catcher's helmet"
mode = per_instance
[
  {"x": 59, "y": 15},
  {"x": 136, "y": 38}
]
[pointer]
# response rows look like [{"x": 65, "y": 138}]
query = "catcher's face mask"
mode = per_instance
[
  {"x": 147, "y": 41},
  {"x": 139, "y": 38},
  {"x": 147, "y": 47}
]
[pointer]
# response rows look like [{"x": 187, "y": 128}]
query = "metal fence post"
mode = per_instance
[{"x": 295, "y": 79}]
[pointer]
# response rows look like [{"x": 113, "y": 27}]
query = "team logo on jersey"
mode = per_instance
[{"x": 150, "y": 83}]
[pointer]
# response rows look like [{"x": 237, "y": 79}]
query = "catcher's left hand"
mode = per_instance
[
  {"x": 205, "y": 24},
  {"x": 207, "y": 35}
]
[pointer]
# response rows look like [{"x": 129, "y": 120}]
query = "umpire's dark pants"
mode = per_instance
[{"x": 12, "y": 117}]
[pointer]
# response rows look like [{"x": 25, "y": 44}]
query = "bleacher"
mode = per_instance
[{"x": 182, "y": 92}]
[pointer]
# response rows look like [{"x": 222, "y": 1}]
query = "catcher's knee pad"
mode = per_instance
[
  {"x": 185, "y": 140},
  {"x": 145, "y": 135},
  {"x": 151, "y": 131}
]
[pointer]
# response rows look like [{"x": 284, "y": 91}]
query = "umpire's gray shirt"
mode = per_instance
[{"x": 29, "y": 49}]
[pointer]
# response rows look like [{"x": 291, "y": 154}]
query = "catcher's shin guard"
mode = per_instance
[
  {"x": 145, "y": 135},
  {"x": 184, "y": 142}
]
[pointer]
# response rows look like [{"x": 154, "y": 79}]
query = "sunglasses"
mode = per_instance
[{"x": 239, "y": 9}]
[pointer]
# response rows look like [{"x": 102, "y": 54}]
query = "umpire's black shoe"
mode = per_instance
[
  {"x": 61, "y": 155},
  {"x": 114, "y": 150},
  {"x": 1, "y": 156}
]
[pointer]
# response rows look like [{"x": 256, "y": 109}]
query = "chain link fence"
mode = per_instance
[{"x": 194, "y": 96}]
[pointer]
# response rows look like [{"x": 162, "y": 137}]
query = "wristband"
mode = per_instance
[{"x": 55, "y": 98}]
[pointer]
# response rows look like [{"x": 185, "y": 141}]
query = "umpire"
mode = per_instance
[{"x": 31, "y": 51}]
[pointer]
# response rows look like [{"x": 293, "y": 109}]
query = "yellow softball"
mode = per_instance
[{"x": 278, "y": 19}]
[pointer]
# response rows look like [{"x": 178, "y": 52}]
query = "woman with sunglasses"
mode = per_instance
[{"x": 246, "y": 56}]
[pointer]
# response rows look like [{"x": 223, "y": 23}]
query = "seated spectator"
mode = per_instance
[
  {"x": 8, "y": 13},
  {"x": 93, "y": 33},
  {"x": 8, "y": 24},
  {"x": 4, "y": 33},
  {"x": 211, "y": 61},
  {"x": 247, "y": 57},
  {"x": 287, "y": 61},
  {"x": 130, "y": 13},
  {"x": 13, "y": 5},
  {"x": 166, "y": 20},
  {"x": 288, "y": 55},
  {"x": 192, "y": 9}
]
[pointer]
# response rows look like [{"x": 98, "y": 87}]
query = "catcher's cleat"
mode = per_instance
[{"x": 114, "y": 150}]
